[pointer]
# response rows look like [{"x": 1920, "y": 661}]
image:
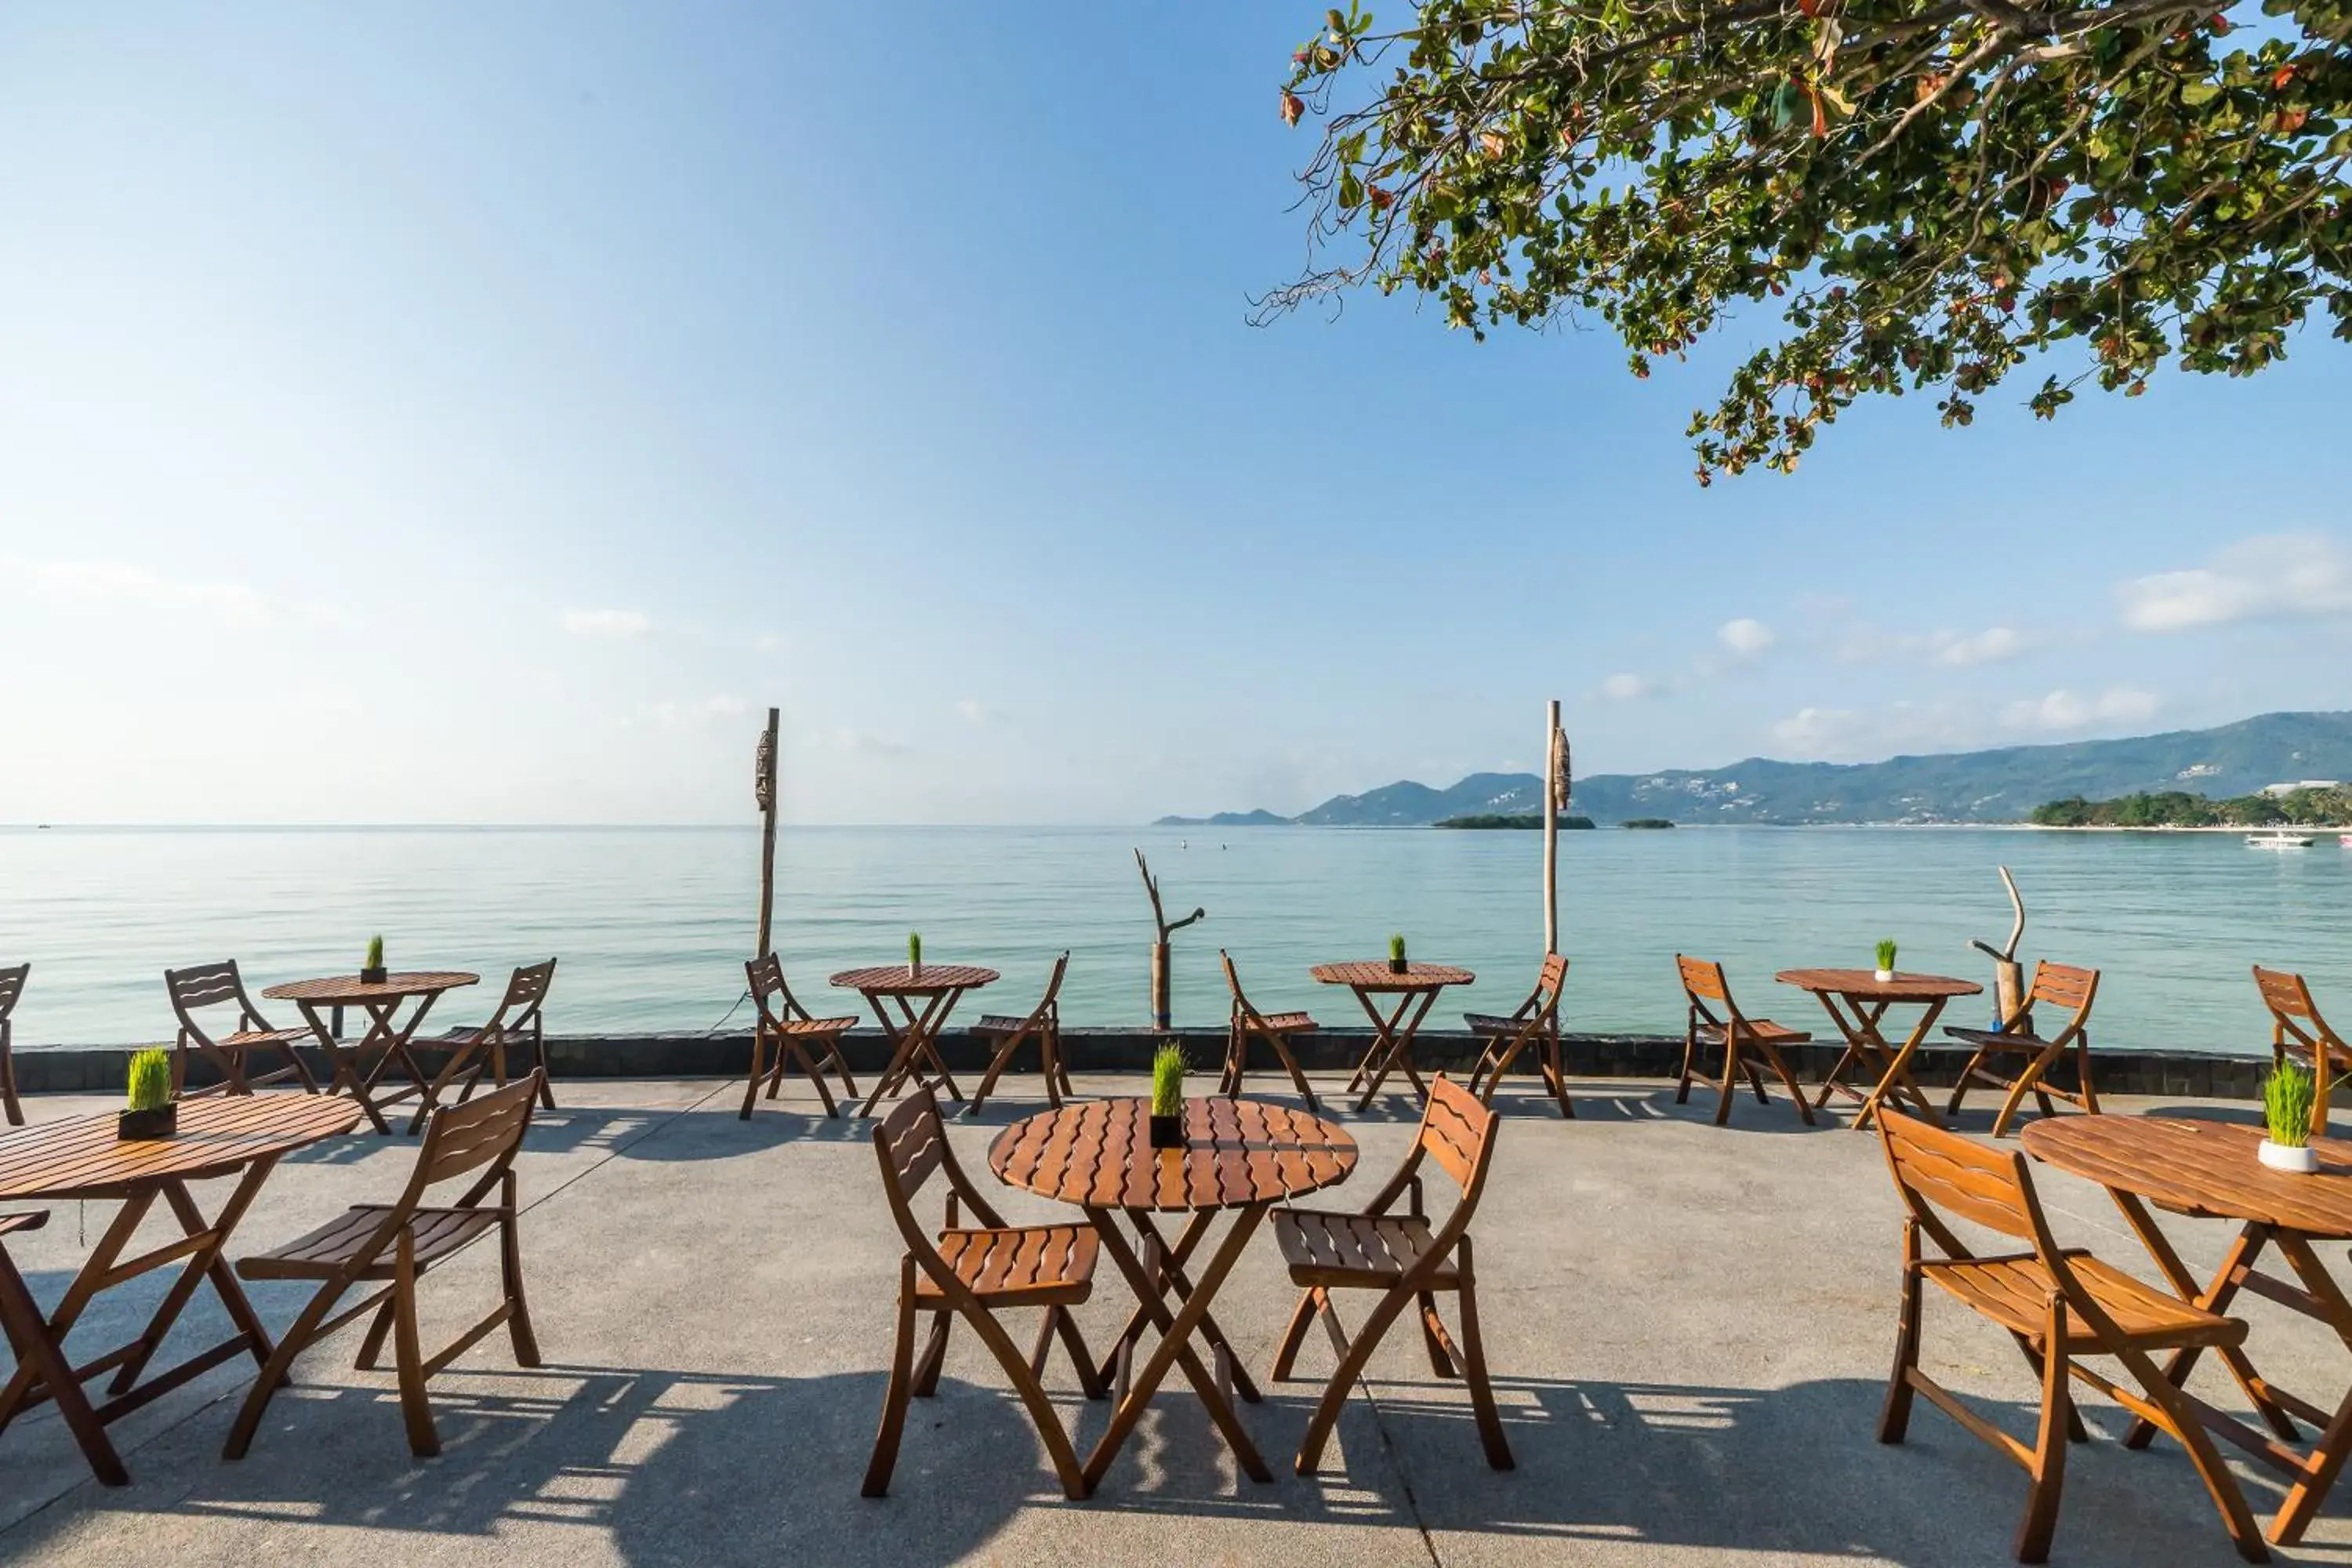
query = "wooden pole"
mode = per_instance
[
  {"x": 1551, "y": 828},
  {"x": 763, "y": 788},
  {"x": 1162, "y": 1007}
]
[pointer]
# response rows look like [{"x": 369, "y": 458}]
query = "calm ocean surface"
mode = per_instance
[{"x": 652, "y": 924}]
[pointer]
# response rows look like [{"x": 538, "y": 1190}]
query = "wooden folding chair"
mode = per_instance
[
  {"x": 520, "y": 1021},
  {"x": 12, "y": 985},
  {"x": 205, "y": 985},
  {"x": 2060, "y": 986},
  {"x": 2058, "y": 1304},
  {"x": 973, "y": 1273},
  {"x": 1536, "y": 1023},
  {"x": 1741, "y": 1038},
  {"x": 1248, "y": 1024},
  {"x": 786, "y": 1029},
  {"x": 1043, "y": 1024},
  {"x": 1404, "y": 1258},
  {"x": 398, "y": 1244},
  {"x": 2298, "y": 1034}
]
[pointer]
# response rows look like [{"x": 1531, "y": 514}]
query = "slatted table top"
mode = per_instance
[
  {"x": 81, "y": 1157},
  {"x": 350, "y": 990},
  {"x": 1904, "y": 987},
  {"x": 1098, "y": 1155},
  {"x": 1376, "y": 975},
  {"x": 2207, "y": 1169},
  {"x": 897, "y": 980}
]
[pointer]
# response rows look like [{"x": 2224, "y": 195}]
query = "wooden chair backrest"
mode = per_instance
[
  {"x": 1703, "y": 982},
  {"x": 203, "y": 986},
  {"x": 12, "y": 985},
  {"x": 1549, "y": 985},
  {"x": 1233, "y": 980},
  {"x": 2294, "y": 1015},
  {"x": 766, "y": 974},
  {"x": 1939, "y": 1173},
  {"x": 1054, "y": 986},
  {"x": 1458, "y": 1133},
  {"x": 2061, "y": 985},
  {"x": 462, "y": 1139},
  {"x": 912, "y": 1145},
  {"x": 526, "y": 994}
]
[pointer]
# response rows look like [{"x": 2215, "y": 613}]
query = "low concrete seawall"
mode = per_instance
[{"x": 2204, "y": 1074}]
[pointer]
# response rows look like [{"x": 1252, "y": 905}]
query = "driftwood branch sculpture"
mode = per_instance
[{"x": 1161, "y": 1008}]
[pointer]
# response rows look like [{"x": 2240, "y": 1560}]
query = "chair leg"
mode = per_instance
[
  {"x": 1494, "y": 1081},
  {"x": 1474, "y": 1368},
  {"x": 1229, "y": 1081},
  {"x": 996, "y": 1071},
  {"x": 519, "y": 1328},
  {"x": 2027, "y": 1082},
  {"x": 1351, "y": 1366},
  {"x": 16, "y": 1108},
  {"x": 1556, "y": 1068},
  {"x": 1032, "y": 1395},
  {"x": 291, "y": 1343},
  {"x": 546, "y": 1078},
  {"x": 895, "y": 1394},
  {"x": 1282, "y": 1049},
  {"x": 1731, "y": 1078},
  {"x": 2049, "y": 1471},
  {"x": 2091, "y": 1095},
  {"x": 1960, "y": 1085},
  {"x": 408, "y": 1356},
  {"x": 1895, "y": 1415},
  {"x": 1690, "y": 1054},
  {"x": 2219, "y": 1485},
  {"x": 1049, "y": 1065},
  {"x": 1082, "y": 1360},
  {"x": 379, "y": 1329},
  {"x": 1788, "y": 1081},
  {"x": 1433, "y": 1340},
  {"x": 813, "y": 1070},
  {"x": 759, "y": 1066},
  {"x": 934, "y": 1356},
  {"x": 1302, "y": 1318}
]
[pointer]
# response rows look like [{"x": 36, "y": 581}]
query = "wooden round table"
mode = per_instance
[
  {"x": 2208, "y": 1169},
  {"x": 1415, "y": 991},
  {"x": 381, "y": 1001},
  {"x": 1243, "y": 1156},
  {"x": 82, "y": 1158},
  {"x": 914, "y": 1035},
  {"x": 1866, "y": 999}
]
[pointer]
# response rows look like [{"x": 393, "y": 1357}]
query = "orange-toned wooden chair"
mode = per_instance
[
  {"x": 1535, "y": 1023},
  {"x": 2057, "y": 985},
  {"x": 397, "y": 1244},
  {"x": 1740, "y": 1038},
  {"x": 204, "y": 986},
  {"x": 519, "y": 1021},
  {"x": 789, "y": 1030},
  {"x": 2299, "y": 1034},
  {"x": 974, "y": 1274},
  {"x": 12, "y": 985},
  {"x": 1247, "y": 1024},
  {"x": 1007, "y": 1034},
  {"x": 2060, "y": 1304},
  {"x": 1405, "y": 1258}
]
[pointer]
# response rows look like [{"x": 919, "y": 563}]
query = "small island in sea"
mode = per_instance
[
  {"x": 2308, "y": 805},
  {"x": 1646, "y": 822},
  {"x": 1517, "y": 819}
]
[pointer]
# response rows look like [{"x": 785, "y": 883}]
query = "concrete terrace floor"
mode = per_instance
[{"x": 1690, "y": 1329}]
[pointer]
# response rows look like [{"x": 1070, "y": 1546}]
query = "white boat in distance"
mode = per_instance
[{"x": 2278, "y": 838}]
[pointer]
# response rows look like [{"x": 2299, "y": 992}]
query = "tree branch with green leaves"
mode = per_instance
[{"x": 1928, "y": 194}]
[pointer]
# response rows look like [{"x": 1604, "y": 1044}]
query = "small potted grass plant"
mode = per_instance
[
  {"x": 2286, "y": 1108},
  {"x": 1397, "y": 964},
  {"x": 1168, "y": 1097},
  {"x": 372, "y": 973},
  {"x": 153, "y": 1112},
  {"x": 1885, "y": 972},
  {"x": 914, "y": 952}
]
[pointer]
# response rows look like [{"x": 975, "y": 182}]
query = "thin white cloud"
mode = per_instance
[
  {"x": 1815, "y": 730},
  {"x": 1627, "y": 687},
  {"x": 1990, "y": 646},
  {"x": 694, "y": 714},
  {"x": 975, "y": 713},
  {"x": 2063, "y": 710},
  {"x": 1848, "y": 734},
  {"x": 1949, "y": 649},
  {"x": 608, "y": 624},
  {"x": 108, "y": 582},
  {"x": 1746, "y": 637},
  {"x": 2274, "y": 576}
]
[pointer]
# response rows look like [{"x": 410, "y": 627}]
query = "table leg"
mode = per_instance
[
  {"x": 1396, "y": 1035},
  {"x": 204, "y": 1263},
  {"x": 19, "y": 1392},
  {"x": 1172, "y": 1264},
  {"x": 41, "y": 1365},
  {"x": 1175, "y": 1347},
  {"x": 2237, "y": 1267},
  {"x": 396, "y": 1039},
  {"x": 911, "y": 1042},
  {"x": 2328, "y": 1455},
  {"x": 342, "y": 1067},
  {"x": 1897, "y": 1077}
]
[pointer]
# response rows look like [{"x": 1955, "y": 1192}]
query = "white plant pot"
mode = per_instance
[
  {"x": 2280, "y": 1157},
  {"x": 1884, "y": 977}
]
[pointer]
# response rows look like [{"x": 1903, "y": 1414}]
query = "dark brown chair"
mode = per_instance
[
  {"x": 12, "y": 985},
  {"x": 1247, "y": 1024},
  {"x": 2298, "y": 1034},
  {"x": 974, "y": 1274},
  {"x": 2058, "y": 986},
  {"x": 1404, "y": 1258},
  {"x": 397, "y": 1243},
  {"x": 1536, "y": 1023},
  {"x": 217, "y": 986},
  {"x": 520, "y": 1022},
  {"x": 785, "y": 1029},
  {"x": 2059, "y": 1304},
  {"x": 1740, "y": 1038},
  {"x": 1007, "y": 1034}
]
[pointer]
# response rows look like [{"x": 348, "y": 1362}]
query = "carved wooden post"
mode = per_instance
[
  {"x": 1161, "y": 1010},
  {"x": 1556, "y": 787},
  {"x": 764, "y": 790}
]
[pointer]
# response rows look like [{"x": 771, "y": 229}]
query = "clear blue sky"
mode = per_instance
[{"x": 480, "y": 416}]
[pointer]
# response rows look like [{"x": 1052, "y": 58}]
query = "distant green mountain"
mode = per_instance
[
  {"x": 2001, "y": 786},
  {"x": 1226, "y": 819}
]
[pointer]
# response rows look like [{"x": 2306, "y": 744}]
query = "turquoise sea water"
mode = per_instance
[{"x": 652, "y": 924}]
